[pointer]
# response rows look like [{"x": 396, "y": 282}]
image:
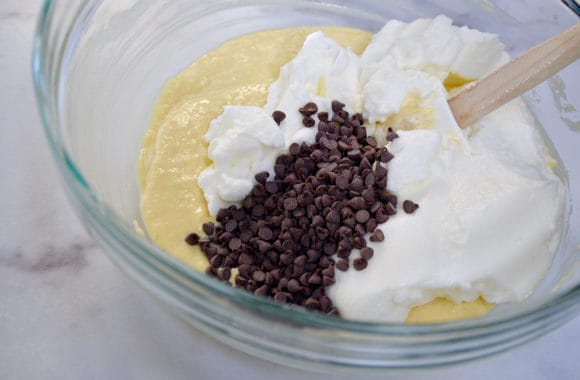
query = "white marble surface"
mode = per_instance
[{"x": 67, "y": 313}]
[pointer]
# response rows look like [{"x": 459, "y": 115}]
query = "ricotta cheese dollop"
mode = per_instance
[{"x": 243, "y": 141}]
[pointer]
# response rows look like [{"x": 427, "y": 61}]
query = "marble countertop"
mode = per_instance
[{"x": 66, "y": 312}]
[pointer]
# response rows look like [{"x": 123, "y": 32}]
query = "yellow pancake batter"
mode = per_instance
[{"x": 174, "y": 152}]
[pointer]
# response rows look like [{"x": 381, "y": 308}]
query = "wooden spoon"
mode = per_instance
[{"x": 516, "y": 77}]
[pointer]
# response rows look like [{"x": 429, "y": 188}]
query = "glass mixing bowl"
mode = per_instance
[{"x": 98, "y": 68}]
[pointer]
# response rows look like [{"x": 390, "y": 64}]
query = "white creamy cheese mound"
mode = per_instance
[
  {"x": 434, "y": 46},
  {"x": 243, "y": 141},
  {"x": 488, "y": 223},
  {"x": 321, "y": 69},
  {"x": 491, "y": 209}
]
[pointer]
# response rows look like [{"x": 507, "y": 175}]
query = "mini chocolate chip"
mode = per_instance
[
  {"x": 265, "y": 233},
  {"x": 222, "y": 215},
  {"x": 343, "y": 252},
  {"x": 377, "y": 236},
  {"x": 371, "y": 225},
  {"x": 280, "y": 170},
  {"x": 315, "y": 279},
  {"x": 360, "y": 230},
  {"x": 225, "y": 274},
  {"x": 342, "y": 145},
  {"x": 304, "y": 278},
  {"x": 261, "y": 177},
  {"x": 329, "y": 144},
  {"x": 245, "y": 259},
  {"x": 391, "y": 210},
  {"x": 258, "y": 211},
  {"x": 208, "y": 228},
  {"x": 327, "y": 281},
  {"x": 290, "y": 204},
  {"x": 308, "y": 109},
  {"x": 368, "y": 195},
  {"x": 278, "y": 116},
  {"x": 283, "y": 281},
  {"x": 367, "y": 253},
  {"x": 354, "y": 154},
  {"x": 325, "y": 303},
  {"x": 308, "y": 122},
  {"x": 258, "y": 276},
  {"x": 245, "y": 236},
  {"x": 216, "y": 261},
  {"x": 369, "y": 180},
  {"x": 293, "y": 286},
  {"x": 342, "y": 181},
  {"x": 410, "y": 206},
  {"x": 305, "y": 199},
  {"x": 281, "y": 297},
  {"x": 357, "y": 203},
  {"x": 224, "y": 238},
  {"x": 337, "y": 106},
  {"x": 221, "y": 251},
  {"x": 391, "y": 135},
  {"x": 376, "y": 207},
  {"x": 231, "y": 225},
  {"x": 371, "y": 141},
  {"x": 313, "y": 255},
  {"x": 359, "y": 264},
  {"x": 343, "y": 114},
  {"x": 362, "y": 216},
  {"x": 235, "y": 244},
  {"x": 333, "y": 216},
  {"x": 385, "y": 156},
  {"x": 381, "y": 216},
  {"x": 286, "y": 258},
  {"x": 241, "y": 281},
  {"x": 358, "y": 242},
  {"x": 322, "y": 233},
  {"x": 263, "y": 246},
  {"x": 210, "y": 251},
  {"x": 365, "y": 163},
  {"x": 271, "y": 187},
  {"x": 192, "y": 239},
  {"x": 312, "y": 303},
  {"x": 341, "y": 265},
  {"x": 381, "y": 172},
  {"x": 326, "y": 200},
  {"x": 294, "y": 149},
  {"x": 245, "y": 270},
  {"x": 357, "y": 184},
  {"x": 329, "y": 248},
  {"x": 392, "y": 199},
  {"x": 329, "y": 271},
  {"x": 262, "y": 290},
  {"x": 300, "y": 260},
  {"x": 338, "y": 119}
]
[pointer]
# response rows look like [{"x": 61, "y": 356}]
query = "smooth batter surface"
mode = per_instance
[{"x": 174, "y": 151}]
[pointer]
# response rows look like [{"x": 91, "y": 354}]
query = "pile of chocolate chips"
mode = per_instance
[{"x": 324, "y": 199}]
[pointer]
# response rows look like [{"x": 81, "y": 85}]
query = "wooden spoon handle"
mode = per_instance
[{"x": 518, "y": 76}]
